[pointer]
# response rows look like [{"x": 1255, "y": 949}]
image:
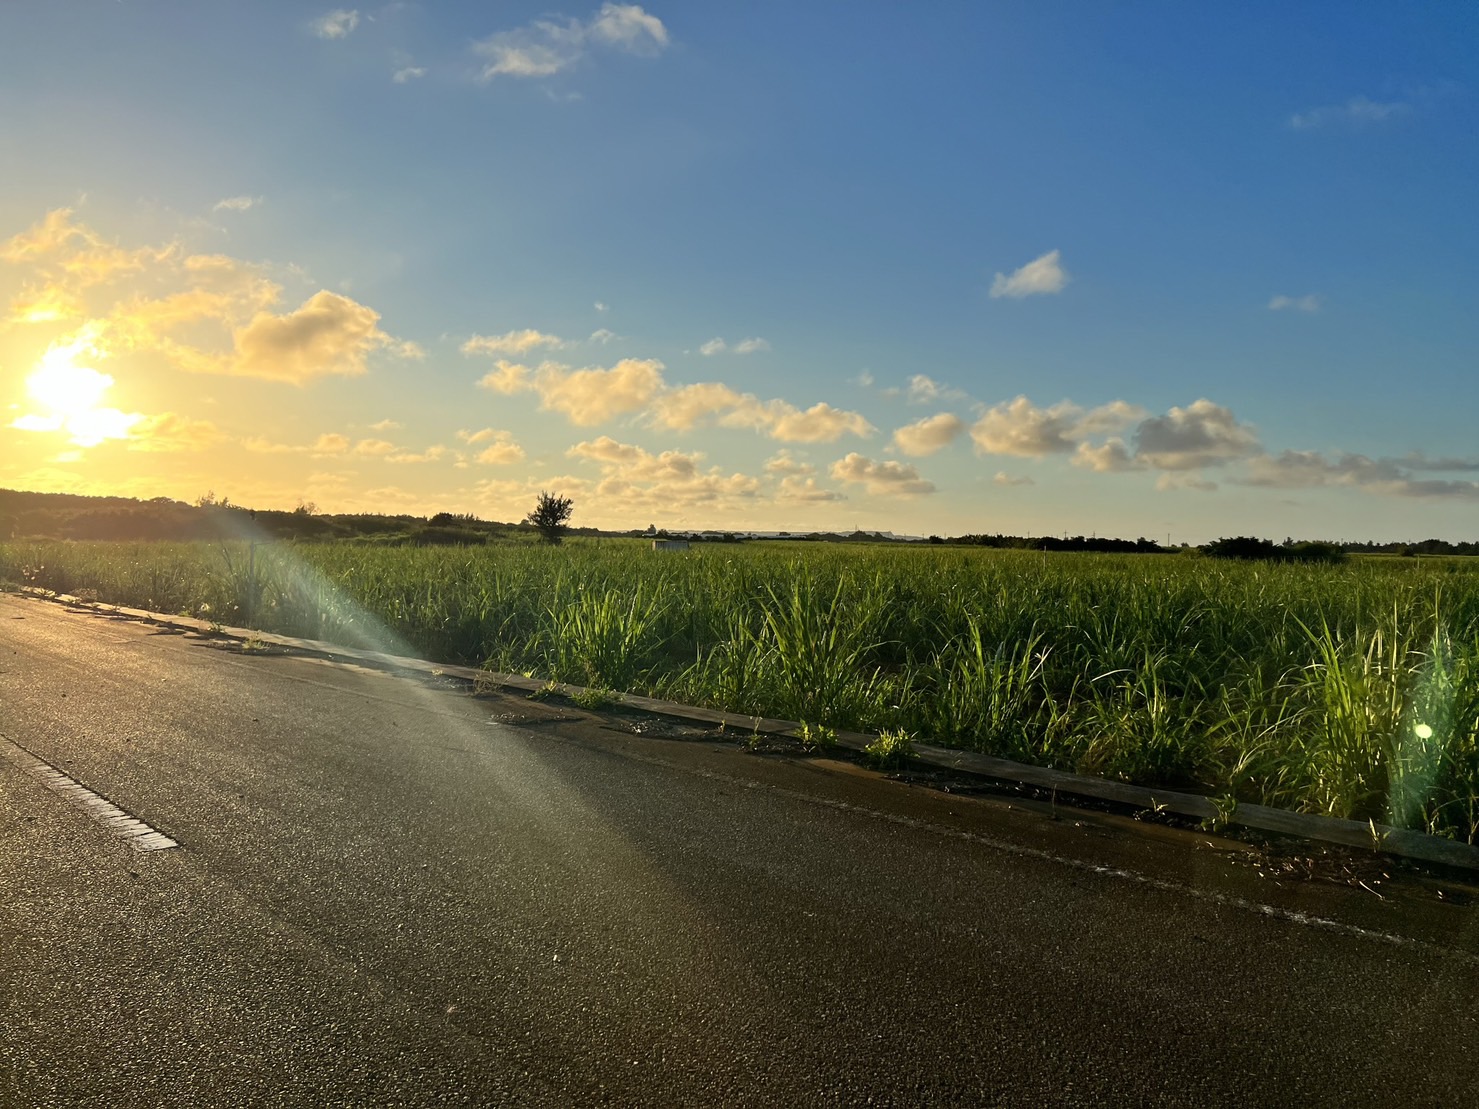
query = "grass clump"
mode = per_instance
[
  {"x": 593, "y": 698},
  {"x": 891, "y": 751},
  {"x": 816, "y": 737}
]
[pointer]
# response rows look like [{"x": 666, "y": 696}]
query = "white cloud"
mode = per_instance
[
  {"x": 1038, "y": 277},
  {"x": 1421, "y": 462},
  {"x": 502, "y": 451},
  {"x": 637, "y": 478},
  {"x": 337, "y": 24},
  {"x": 796, "y": 487},
  {"x": 407, "y": 74},
  {"x": 784, "y": 464},
  {"x": 712, "y": 347},
  {"x": 1387, "y": 476},
  {"x": 507, "y": 378},
  {"x": 1114, "y": 416},
  {"x": 549, "y": 46},
  {"x": 1307, "y": 303},
  {"x": 374, "y": 448},
  {"x": 385, "y": 425},
  {"x": 1201, "y": 434},
  {"x": 1302, "y": 469},
  {"x": 542, "y": 51},
  {"x": 926, "y": 436},
  {"x": 923, "y": 389},
  {"x": 602, "y": 335},
  {"x": 629, "y": 27},
  {"x": 593, "y": 396},
  {"x": 512, "y": 497},
  {"x": 1355, "y": 112},
  {"x": 430, "y": 454},
  {"x": 685, "y": 408},
  {"x": 170, "y": 431},
  {"x": 203, "y": 313},
  {"x": 70, "y": 257},
  {"x": 329, "y": 334},
  {"x": 512, "y": 342},
  {"x": 864, "y": 380},
  {"x": 885, "y": 478},
  {"x": 1020, "y": 428},
  {"x": 258, "y": 445},
  {"x": 753, "y": 345},
  {"x": 636, "y": 464},
  {"x": 602, "y": 306},
  {"x": 1168, "y": 481},
  {"x": 1006, "y": 479},
  {"x": 821, "y": 423},
  {"x": 326, "y": 445},
  {"x": 585, "y": 397},
  {"x": 1111, "y": 456},
  {"x": 236, "y": 203}
]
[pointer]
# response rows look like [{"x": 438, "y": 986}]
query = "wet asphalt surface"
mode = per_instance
[{"x": 392, "y": 893}]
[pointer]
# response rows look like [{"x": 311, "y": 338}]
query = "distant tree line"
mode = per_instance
[
  {"x": 1290, "y": 550},
  {"x": 1248, "y": 548},
  {"x": 1411, "y": 550},
  {"x": 25, "y": 515},
  {"x": 1102, "y": 544},
  {"x": 68, "y": 516}
]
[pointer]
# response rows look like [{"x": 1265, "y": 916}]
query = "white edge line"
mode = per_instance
[{"x": 140, "y": 835}]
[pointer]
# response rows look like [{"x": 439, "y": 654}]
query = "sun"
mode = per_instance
[
  {"x": 70, "y": 396},
  {"x": 64, "y": 387}
]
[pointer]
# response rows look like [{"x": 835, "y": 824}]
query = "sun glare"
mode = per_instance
[
  {"x": 64, "y": 387},
  {"x": 70, "y": 395}
]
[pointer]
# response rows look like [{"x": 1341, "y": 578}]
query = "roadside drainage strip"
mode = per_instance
[
  {"x": 1370, "y": 836},
  {"x": 137, "y": 834}
]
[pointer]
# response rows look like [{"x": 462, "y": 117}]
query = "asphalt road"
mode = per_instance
[{"x": 391, "y": 893}]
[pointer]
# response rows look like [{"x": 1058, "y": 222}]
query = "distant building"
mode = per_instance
[{"x": 670, "y": 544}]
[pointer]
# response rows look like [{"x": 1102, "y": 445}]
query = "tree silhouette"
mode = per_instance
[{"x": 550, "y": 513}]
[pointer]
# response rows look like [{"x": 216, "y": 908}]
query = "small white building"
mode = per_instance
[{"x": 670, "y": 544}]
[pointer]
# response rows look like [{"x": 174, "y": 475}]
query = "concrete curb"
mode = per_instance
[{"x": 1383, "y": 838}]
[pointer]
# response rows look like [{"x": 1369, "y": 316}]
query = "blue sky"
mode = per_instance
[{"x": 1131, "y": 270}]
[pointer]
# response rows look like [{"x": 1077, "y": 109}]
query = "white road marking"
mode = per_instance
[{"x": 139, "y": 835}]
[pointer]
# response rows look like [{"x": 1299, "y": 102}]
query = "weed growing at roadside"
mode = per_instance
[
  {"x": 816, "y": 737},
  {"x": 890, "y": 751},
  {"x": 593, "y": 697},
  {"x": 1224, "y": 807},
  {"x": 544, "y": 692}
]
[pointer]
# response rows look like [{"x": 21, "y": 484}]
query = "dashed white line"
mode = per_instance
[{"x": 139, "y": 835}]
